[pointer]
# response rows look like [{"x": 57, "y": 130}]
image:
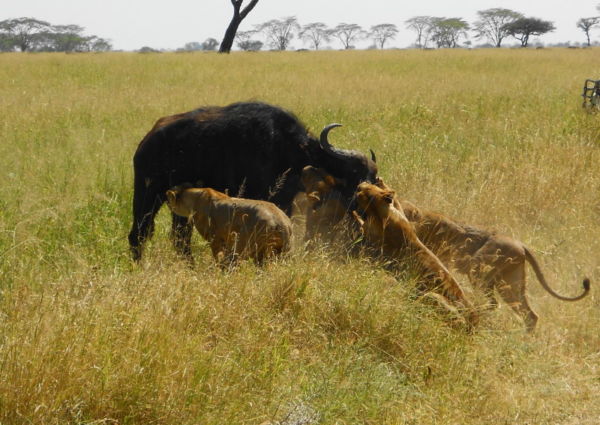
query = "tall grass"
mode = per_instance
[{"x": 490, "y": 137}]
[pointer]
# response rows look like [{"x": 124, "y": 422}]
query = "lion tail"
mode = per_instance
[{"x": 538, "y": 272}]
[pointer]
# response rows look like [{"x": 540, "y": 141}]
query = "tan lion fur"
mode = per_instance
[
  {"x": 234, "y": 227},
  {"x": 326, "y": 208},
  {"x": 491, "y": 261},
  {"x": 386, "y": 228}
]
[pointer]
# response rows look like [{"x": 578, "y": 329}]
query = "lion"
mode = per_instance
[
  {"x": 386, "y": 228},
  {"x": 326, "y": 206},
  {"x": 490, "y": 261},
  {"x": 234, "y": 227}
]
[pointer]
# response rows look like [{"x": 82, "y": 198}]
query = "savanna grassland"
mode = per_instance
[{"x": 491, "y": 137}]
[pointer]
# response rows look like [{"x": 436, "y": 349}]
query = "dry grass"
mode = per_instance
[{"x": 491, "y": 137}]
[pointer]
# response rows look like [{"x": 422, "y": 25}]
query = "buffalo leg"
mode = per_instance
[
  {"x": 181, "y": 235},
  {"x": 146, "y": 203}
]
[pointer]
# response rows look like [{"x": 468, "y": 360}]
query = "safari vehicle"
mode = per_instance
[{"x": 591, "y": 94}]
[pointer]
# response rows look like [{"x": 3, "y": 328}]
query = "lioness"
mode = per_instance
[
  {"x": 488, "y": 259},
  {"x": 234, "y": 227},
  {"x": 326, "y": 207},
  {"x": 387, "y": 228}
]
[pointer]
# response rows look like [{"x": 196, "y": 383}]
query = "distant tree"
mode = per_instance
[
  {"x": 238, "y": 16},
  {"x": 422, "y": 26},
  {"x": 492, "y": 24},
  {"x": 447, "y": 32},
  {"x": 586, "y": 24},
  {"x": 6, "y": 43},
  {"x": 245, "y": 42},
  {"x": 251, "y": 45},
  {"x": 280, "y": 32},
  {"x": 315, "y": 33},
  {"x": 192, "y": 46},
  {"x": 45, "y": 41},
  {"x": 28, "y": 34},
  {"x": 97, "y": 44},
  {"x": 209, "y": 44},
  {"x": 348, "y": 33},
  {"x": 65, "y": 38},
  {"x": 382, "y": 33},
  {"x": 147, "y": 49},
  {"x": 23, "y": 32},
  {"x": 523, "y": 28}
]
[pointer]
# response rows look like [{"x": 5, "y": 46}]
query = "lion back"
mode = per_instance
[{"x": 271, "y": 228}]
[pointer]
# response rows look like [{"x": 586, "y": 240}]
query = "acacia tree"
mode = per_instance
[
  {"x": 6, "y": 43},
  {"x": 280, "y": 32},
  {"x": 347, "y": 33},
  {"x": 192, "y": 46},
  {"x": 447, "y": 32},
  {"x": 422, "y": 26},
  {"x": 66, "y": 38},
  {"x": 523, "y": 28},
  {"x": 210, "y": 44},
  {"x": 586, "y": 24},
  {"x": 382, "y": 33},
  {"x": 245, "y": 42},
  {"x": 238, "y": 16},
  {"x": 315, "y": 33},
  {"x": 23, "y": 33},
  {"x": 492, "y": 24},
  {"x": 28, "y": 34},
  {"x": 97, "y": 44},
  {"x": 70, "y": 42}
]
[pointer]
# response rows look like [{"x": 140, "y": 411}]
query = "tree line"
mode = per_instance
[
  {"x": 33, "y": 35},
  {"x": 492, "y": 27}
]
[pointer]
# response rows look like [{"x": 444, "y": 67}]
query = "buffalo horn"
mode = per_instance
[
  {"x": 373, "y": 157},
  {"x": 323, "y": 139}
]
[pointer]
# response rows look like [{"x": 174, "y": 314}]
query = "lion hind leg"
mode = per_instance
[
  {"x": 488, "y": 287},
  {"x": 486, "y": 280},
  {"x": 490, "y": 266},
  {"x": 512, "y": 288}
]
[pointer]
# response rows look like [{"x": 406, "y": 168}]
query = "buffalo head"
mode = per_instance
[{"x": 352, "y": 166}]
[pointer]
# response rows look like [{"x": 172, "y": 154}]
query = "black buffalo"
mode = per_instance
[{"x": 253, "y": 150}]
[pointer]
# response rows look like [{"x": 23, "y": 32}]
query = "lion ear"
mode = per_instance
[
  {"x": 388, "y": 196},
  {"x": 381, "y": 184},
  {"x": 307, "y": 176},
  {"x": 171, "y": 196}
]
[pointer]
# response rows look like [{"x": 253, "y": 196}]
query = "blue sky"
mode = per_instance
[{"x": 131, "y": 24}]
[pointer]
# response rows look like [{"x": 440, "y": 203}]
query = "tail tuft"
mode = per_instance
[{"x": 586, "y": 284}]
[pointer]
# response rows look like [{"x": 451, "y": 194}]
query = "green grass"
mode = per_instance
[{"x": 491, "y": 137}]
